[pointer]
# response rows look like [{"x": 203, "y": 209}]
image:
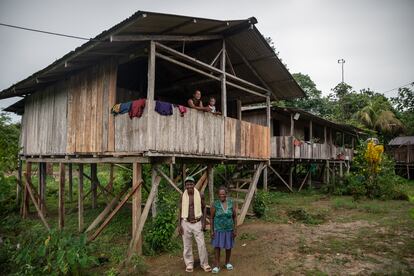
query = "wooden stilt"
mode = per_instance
[
  {"x": 137, "y": 234},
  {"x": 111, "y": 179},
  {"x": 265, "y": 179},
  {"x": 184, "y": 174},
  {"x": 310, "y": 176},
  {"x": 291, "y": 177},
  {"x": 210, "y": 173},
  {"x": 19, "y": 186},
  {"x": 136, "y": 202},
  {"x": 61, "y": 195},
  {"x": 171, "y": 171},
  {"x": 341, "y": 173},
  {"x": 42, "y": 186},
  {"x": 155, "y": 201},
  {"x": 304, "y": 180},
  {"x": 80, "y": 198},
  {"x": 327, "y": 172},
  {"x": 70, "y": 182},
  {"x": 25, "y": 209},
  {"x": 94, "y": 186}
]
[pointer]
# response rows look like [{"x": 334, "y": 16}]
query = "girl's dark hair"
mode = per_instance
[{"x": 224, "y": 188}]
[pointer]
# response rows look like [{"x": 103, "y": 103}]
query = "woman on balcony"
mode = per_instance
[{"x": 196, "y": 103}]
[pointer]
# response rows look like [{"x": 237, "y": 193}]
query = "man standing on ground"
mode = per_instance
[{"x": 192, "y": 222}]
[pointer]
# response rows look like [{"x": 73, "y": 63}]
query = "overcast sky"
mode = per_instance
[{"x": 375, "y": 37}]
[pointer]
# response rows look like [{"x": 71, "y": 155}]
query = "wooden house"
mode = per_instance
[
  {"x": 300, "y": 137},
  {"x": 401, "y": 149},
  {"x": 66, "y": 107}
]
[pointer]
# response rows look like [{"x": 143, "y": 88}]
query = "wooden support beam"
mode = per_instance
[
  {"x": 169, "y": 180},
  {"x": 42, "y": 187},
  {"x": 94, "y": 185},
  {"x": 19, "y": 185},
  {"x": 291, "y": 177},
  {"x": 35, "y": 201},
  {"x": 150, "y": 104},
  {"x": 80, "y": 199},
  {"x": 110, "y": 187},
  {"x": 239, "y": 109},
  {"x": 136, "y": 201},
  {"x": 107, "y": 209},
  {"x": 212, "y": 63},
  {"x": 327, "y": 172},
  {"x": 292, "y": 125},
  {"x": 311, "y": 137},
  {"x": 304, "y": 180},
  {"x": 250, "y": 194},
  {"x": 61, "y": 196},
  {"x": 137, "y": 234},
  {"x": 265, "y": 179},
  {"x": 70, "y": 174},
  {"x": 200, "y": 183},
  {"x": 280, "y": 177},
  {"x": 210, "y": 173},
  {"x": 25, "y": 208},
  {"x": 114, "y": 212},
  {"x": 187, "y": 38},
  {"x": 155, "y": 201},
  {"x": 223, "y": 80}
]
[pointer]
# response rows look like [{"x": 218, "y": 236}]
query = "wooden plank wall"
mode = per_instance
[
  {"x": 91, "y": 95},
  {"x": 44, "y": 124},
  {"x": 244, "y": 139},
  {"x": 282, "y": 146},
  {"x": 131, "y": 134}
]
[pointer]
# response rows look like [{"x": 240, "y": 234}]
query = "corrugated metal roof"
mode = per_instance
[
  {"x": 240, "y": 33},
  {"x": 402, "y": 140}
]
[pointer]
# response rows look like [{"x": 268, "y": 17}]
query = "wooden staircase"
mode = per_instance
[{"x": 243, "y": 186}]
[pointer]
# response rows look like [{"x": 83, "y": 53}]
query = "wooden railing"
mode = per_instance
[
  {"x": 195, "y": 133},
  {"x": 403, "y": 154},
  {"x": 287, "y": 147}
]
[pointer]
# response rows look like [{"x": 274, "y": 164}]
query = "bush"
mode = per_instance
[
  {"x": 160, "y": 231},
  {"x": 260, "y": 203},
  {"x": 302, "y": 215},
  {"x": 52, "y": 253}
]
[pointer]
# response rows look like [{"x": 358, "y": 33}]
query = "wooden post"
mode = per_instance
[
  {"x": 42, "y": 187},
  {"x": 223, "y": 80},
  {"x": 70, "y": 182},
  {"x": 210, "y": 173},
  {"x": 341, "y": 173},
  {"x": 310, "y": 176},
  {"x": 292, "y": 168},
  {"x": 110, "y": 186},
  {"x": 172, "y": 171},
  {"x": 292, "y": 125},
  {"x": 154, "y": 203},
  {"x": 94, "y": 185},
  {"x": 61, "y": 195},
  {"x": 184, "y": 174},
  {"x": 327, "y": 171},
  {"x": 265, "y": 179},
  {"x": 25, "y": 209},
  {"x": 136, "y": 202},
  {"x": 239, "y": 109},
  {"x": 19, "y": 186},
  {"x": 80, "y": 198}
]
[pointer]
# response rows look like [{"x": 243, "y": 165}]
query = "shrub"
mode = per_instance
[
  {"x": 260, "y": 203},
  {"x": 52, "y": 253},
  {"x": 302, "y": 215}
]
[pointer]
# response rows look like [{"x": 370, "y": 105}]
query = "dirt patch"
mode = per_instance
[{"x": 281, "y": 249}]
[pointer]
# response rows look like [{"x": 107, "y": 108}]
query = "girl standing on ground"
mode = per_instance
[{"x": 223, "y": 228}]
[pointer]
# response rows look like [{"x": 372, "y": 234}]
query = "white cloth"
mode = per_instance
[{"x": 185, "y": 204}]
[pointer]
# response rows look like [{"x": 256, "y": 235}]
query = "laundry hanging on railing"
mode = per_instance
[
  {"x": 137, "y": 108},
  {"x": 164, "y": 108},
  {"x": 121, "y": 108},
  {"x": 182, "y": 110}
]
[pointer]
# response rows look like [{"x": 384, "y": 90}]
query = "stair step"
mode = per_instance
[{"x": 239, "y": 190}]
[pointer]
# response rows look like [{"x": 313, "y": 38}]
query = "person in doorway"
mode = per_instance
[
  {"x": 223, "y": 228},
  {"x": 196, "y": 103},
  {"x": 192, "y": 222}
]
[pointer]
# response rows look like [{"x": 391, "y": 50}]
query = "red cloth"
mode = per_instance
[
  {"x": 137, "y": 108},
  {"x": 182, "y": 110}
]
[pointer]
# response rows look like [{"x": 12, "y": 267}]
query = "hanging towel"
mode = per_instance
[
  {"x": 164, "y": 108},
  {"x": 115, "y": 109},
  {"x": 137, "y": 108},
  {"x": 182, "y": 110},
  {"x": 124, "y": 108},
  {"x": 185, "y": 204}
]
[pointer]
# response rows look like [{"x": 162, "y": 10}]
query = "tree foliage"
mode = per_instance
[{"x": 9, "y": 143}]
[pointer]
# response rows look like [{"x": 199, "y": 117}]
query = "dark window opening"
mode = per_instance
[
  {"x": 307, "y": 133},
  {"x": 131, "y": 83},
  {"x": 276, "y": 128}
]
